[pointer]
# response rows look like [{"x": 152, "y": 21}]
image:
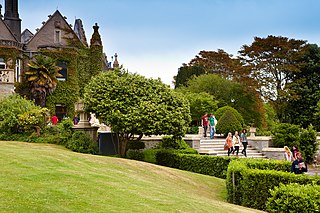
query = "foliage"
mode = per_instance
[
  {"x": 150, "y": 155},
  {"x": 289, "y": 134},
  {"x": 169, "y": 142},
  {"x": 270, "y": 116},
  {"x": 10, "y": 109},
  {"x": 136, "y": 145},
  {"x": 246, "y": 182},
  {"x": 186, "y": 73},
  {"x": 228, "y": 123},
  {"x": 42, "y": 77},
  {"x": 285, "y": 134},
  {"x": 308, "y": 143},
  {"x": 230, "y": 93},
  {"x": 199, "y": 104},
  {"x": 219, "y": 113},
  {"x": 208, "y": 165},
  {"x": 134, "y": 105},
  {"x": 67, "y": 92},
  {"x": 272, "y": 61},
  {"x": 34, "y": 120},
  {"x": 81, "y": 142},
  {"x": 302, "y": 108},
  {"x": 135, "y": 154},
  {"x": 223, "y": 64},
  {"x": 294, "y": 198}
]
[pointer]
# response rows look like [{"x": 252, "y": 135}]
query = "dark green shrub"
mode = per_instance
[
  {"x": 81, "y": 142},
  {"x": 193, "y": 130},
  {"x": 244, "y": 183},
  {"x": 285, "y": 134},
  {"x": 169, "y": 142},
  {"x": 208, "y": 165},
  {"x": 10, "y": 109},
  {"x": 308, "y": 143},
  {"x": 294, "y": 198},
  {"x": 135, "y": 154},
  {"x": 228, "y": 123},
  {"x": 219, "y": 113},
  {"x": 150, "y": 155},
  {"x": 135, "y": 145}
]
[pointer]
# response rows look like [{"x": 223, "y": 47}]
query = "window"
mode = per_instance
[
  {"x": 61, "y": 111},
  {"x": 2, "y": 64},
  {"x": 18, "y": 70},
  {"x": 64, "y": 70},
  {"x": 57, "y": 36}
]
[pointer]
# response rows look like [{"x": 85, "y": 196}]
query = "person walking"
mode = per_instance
[
  {"x": 229, "y": 144},
  {"x": 205, "y": 124},
  {"x": 287, "y": 154},
  {"x": 299, "y": 166},
  {"x": 212, "y": 124},
  {"x": 54, "y": 119},
  {"x": 236, "y": 143},
  {"x": 243, "y": 138}
]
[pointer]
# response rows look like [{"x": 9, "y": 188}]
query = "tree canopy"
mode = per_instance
[
  {"x": 135, "y": 106},
  {"x": 230, "y": 93}
]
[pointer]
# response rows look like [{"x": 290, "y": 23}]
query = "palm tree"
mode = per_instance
[{"x": 42, "y": 77}]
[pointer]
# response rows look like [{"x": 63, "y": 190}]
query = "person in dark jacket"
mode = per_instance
[{"x": 299, "y": 166}]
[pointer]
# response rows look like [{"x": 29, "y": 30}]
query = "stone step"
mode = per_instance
[{"x": 215, "y": 147}]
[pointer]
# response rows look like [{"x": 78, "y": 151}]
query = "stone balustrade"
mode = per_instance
[
  {"x": 6, "y": 76},
  {"x": 9, "y": 43}
]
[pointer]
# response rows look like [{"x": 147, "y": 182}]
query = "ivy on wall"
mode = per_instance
[{"x": 67, "y": 92}]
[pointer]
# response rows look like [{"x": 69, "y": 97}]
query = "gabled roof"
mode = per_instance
[
  {"x": 26, "y": 35},
  {"x": 6, "y": 33},
  {"x": 45, "y": 36}
]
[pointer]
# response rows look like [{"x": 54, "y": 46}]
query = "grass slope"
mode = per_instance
[{"x": 49, "y": 178}]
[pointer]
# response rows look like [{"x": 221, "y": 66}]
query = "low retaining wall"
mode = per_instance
[{"x": 260, "y": 142}]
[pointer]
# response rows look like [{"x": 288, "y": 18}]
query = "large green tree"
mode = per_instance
[
  {"x": 199, "y": 104},
  {"x": 304, "y": 93},
  {"x": 42, "y": 77},
  {"x": 230, "y": 93},
  {"x": 185, "y": 73},
  {"x": 135, "y": 106},
  {"x": 272, "y": 62}
]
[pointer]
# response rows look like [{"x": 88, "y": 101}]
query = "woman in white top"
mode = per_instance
[
  {"x": 287, "y": 154},
  {"x": 236, "y": 143}
]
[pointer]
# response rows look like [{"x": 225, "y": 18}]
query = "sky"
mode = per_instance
[{"x": 155, "y": 37}]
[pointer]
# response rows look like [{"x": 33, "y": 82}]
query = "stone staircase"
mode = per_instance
[{"x": 215, "y": 147}]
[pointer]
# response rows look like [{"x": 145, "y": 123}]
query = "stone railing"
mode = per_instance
[
  {"x": 11, "y": 43},
  {"x": 6, "y": 76}
]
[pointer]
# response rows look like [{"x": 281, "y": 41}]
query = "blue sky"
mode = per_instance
[{"x": 154, "y": 37}]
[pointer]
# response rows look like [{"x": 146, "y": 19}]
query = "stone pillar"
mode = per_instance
[{"x": 84, "y": 124}]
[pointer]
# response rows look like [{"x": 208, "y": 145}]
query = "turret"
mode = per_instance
[{"x": 11, "y": 18}]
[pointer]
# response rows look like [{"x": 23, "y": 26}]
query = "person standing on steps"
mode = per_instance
[
  {"x": 236, "y": 143},
  {"x": 212, "y": 124},
  {"x": 205, "y": 124},
  {"x": 243, "y": 138}
]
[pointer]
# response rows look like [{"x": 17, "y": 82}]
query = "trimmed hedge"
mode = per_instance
[
  {"x": 294, "y": 198},
  {"x": 250, "y": 187},
  {"x": 208, "y": 165}
]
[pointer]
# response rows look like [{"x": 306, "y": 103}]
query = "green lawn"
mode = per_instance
[{"x": 49, "y": 178}]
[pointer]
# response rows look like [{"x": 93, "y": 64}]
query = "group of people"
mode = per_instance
[
  {"x": 208, "y": 122},
  {"x": 233, "y": 143},
  {"x": 54, "y": 119},
  {"x": 298, "y": 165}
]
